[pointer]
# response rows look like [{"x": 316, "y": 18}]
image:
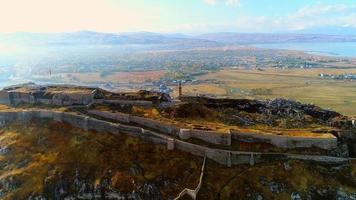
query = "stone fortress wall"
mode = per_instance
[
  {"x": 32, "y": 94},
  {"x": 287, "y": 142},
  {"x": 213, "y": 137},
  {"x": 4, "y": 97},
  {"x": 222, "y": 138},
  {"x": 224, "y": 157},
  {"x": 37, "y": 94}
]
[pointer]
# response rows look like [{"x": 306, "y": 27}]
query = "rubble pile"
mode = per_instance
[
  {"x": 63, "y": 187},
  {"x": 289, "y": 108}
]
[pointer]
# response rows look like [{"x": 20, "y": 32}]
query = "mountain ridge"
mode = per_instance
[{"x": 151, "y": 38}]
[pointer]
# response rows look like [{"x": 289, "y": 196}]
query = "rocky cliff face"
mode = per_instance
[
  {"x": 293, "y": 180},
  {"x": 57, "y": 161}
]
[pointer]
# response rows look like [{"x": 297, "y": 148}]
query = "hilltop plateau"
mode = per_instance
[{"x": 75, "y": 142}]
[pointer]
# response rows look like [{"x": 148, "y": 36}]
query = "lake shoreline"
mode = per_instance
[{"x": 334, "y": 49}]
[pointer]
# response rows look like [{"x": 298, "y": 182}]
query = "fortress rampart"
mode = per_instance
[
  {"x": 58, "y": 98},
  {"x": 222, "y": 138},
  {"x": 213, "y": 137},
  {"x": 287, "y": 142},
  {"x": 225, "y": 157}
]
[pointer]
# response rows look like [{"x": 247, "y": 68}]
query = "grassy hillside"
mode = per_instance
[{"x": 37, "y": 159}]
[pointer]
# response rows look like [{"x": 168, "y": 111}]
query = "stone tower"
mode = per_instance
[{"x": 180, "y": 88}]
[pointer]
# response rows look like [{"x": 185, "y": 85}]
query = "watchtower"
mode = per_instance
[{"x": 180, "y": 88}]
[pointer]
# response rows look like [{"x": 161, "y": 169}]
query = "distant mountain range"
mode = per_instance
[
  {"x": 148, "y": 38},
  {"x": 97, "y": 38},
  {"x": 260, "y": 38}
]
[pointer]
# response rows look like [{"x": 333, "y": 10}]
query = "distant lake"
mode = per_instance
[{"x": 342, "y": 49}]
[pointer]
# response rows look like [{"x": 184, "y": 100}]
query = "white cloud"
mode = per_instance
[
  {"x": 311, "y": 16},
  {"x": 308, "y": 17},
  {"x": 321, "y": 15}
]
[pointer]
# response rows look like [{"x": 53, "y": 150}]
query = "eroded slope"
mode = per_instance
[{"x": 54, "y": 160}]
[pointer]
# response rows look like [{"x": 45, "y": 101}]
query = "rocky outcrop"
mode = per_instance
[
  {"x": 190, "y": 192},
  {"x": 277, "y": 112}
]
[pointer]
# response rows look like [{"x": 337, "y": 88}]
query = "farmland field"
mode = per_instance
[
  {"x": 115, "y": 77},
  {"x": 302, "y": 85}
]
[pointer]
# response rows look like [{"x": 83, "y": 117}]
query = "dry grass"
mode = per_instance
[
  {"x": 4, "y": 107},
  {"x": 246, "y": 179},
  {"x": 201, "y": 89},
  {"x": 297, "y": 84},
  {"x": 56, "y": 149}
]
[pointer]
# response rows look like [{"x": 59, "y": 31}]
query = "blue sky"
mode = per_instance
[{"x": 188, "y": 16}]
